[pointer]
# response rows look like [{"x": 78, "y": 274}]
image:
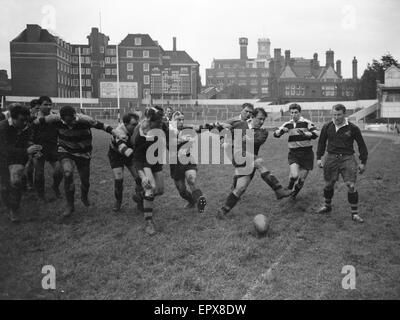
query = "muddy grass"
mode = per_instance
[{"x": 102, "y": 255}]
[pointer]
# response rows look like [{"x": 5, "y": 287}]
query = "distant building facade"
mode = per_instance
[
  {"x": 283, "y": 79},
  {"x": 252, "y": 74},
  {"x": 43, "y": 64},
  {"x": 389, "y": 94}
]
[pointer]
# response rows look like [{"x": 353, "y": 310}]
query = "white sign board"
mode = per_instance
[{"x": 128, "y": 90}]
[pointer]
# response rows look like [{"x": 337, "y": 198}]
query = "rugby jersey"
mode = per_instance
[
  {"x": 140, "y": 144},
  {"x": 296, "y": 139},
  {"x": 120, "y": 141},
  {"x": 341, "y": 141},
  {"x": 77, "y": 138},
  {"x": 260, "y": 134}
]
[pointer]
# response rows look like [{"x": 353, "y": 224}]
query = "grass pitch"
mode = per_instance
[{"x": 98, "y": 254}]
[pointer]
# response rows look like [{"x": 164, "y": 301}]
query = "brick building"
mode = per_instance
[
  {"x": 43, "y": 64},
  {"x": 281, "y": 79},
  {"x": 250, "y": 73}
]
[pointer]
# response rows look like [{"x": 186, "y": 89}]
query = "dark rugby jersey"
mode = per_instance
[
  {"x": 342, "y": 141},
  {"x": 13, "y": 143},
  {"x": 140, "y": 144},
  {"x": 76, "y": 139},
  {"x": 296, "y": 139},
  {"x": 260, "y": 134}
]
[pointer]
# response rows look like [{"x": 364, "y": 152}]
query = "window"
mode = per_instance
[
  {"x": 130, "y": 76},
  {"x": 74, "y": 59},
  {"x": 329, "y": 91},
  {"x": 129, "y": 53},
  {"x": 138, "y": 41},
  {"x": 260, "y": 64},
  {"x": 86, "y": 51},
  {"x": 114, "y": 71},
  {"x": 88, "y": 94},
  {"x": 101, "y": 49},
  {"x": 102, "y": 64},
  {"x": 87, "y": 60},
  {"x": 88, "y": 71},
  {"x": 114, "y": 60},
  {"x": 75, "y": 82},
  {"x": 146, "y": 67},
  {"x": 129, "y": 66},
  {"x": 146, "y": 53},
  {"x": 146, "y": 79},
  {"x": 108, "y": 72},
  {"x": 264, "y": 90},
  {"x": 82, "y": 59},
  {"x": 111, "y": 52},
  {"x": 75, "y": 71},
  {"x": 88, "y": 83},
  {"x": 253, "y": 82},
  {"x": 146, "y": 94},
  {"x": 107, "y": 60}
]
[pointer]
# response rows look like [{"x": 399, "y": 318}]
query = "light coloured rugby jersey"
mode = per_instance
[{"x": 296, "y": 139}]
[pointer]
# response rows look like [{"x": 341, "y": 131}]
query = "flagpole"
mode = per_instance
[
  {"x": 118, "y": 93},
  {"x": 80, "y": 81}
]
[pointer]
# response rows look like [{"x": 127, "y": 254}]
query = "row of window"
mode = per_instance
[
  {"x": 241, "y": 82},
  {"x": 251, "y": 65},
  {"x": 295, "y": 90},
  {"x": 129, "y": 66},
  {"x": 129, "y": 53},
  {"x": 65, "y": 93},
  {"x": 222, "y": 74}
]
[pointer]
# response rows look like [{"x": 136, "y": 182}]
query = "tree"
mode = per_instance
[{"x": 373, "y": 72}]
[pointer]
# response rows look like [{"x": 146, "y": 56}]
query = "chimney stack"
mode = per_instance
[
  {"x": 287, "y": 56},
  {"x": 174, "y": 43},
  {"x": 355, "y": 67},
  {"x": 243, "y": 42},
  {"x": 277, "y": 54},
  {"x": 33, "y": 32},
  {"x": 339, "y": 68},
  {"x": 330, "y": 58}
]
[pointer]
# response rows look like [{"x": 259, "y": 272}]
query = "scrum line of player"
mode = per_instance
[{"x": 128, "y": 148}]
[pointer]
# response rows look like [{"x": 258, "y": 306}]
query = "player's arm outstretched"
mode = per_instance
[
  {"x": 281, "y": 131},
  {"x": 95, "y": 123},
  {"x": 121, "y": 140}
]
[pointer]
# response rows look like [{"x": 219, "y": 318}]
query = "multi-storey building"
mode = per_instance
[
  {"x": 43, "y": 64},
  {"x": 281, "y": 78},
  {"x": 250, "y": 73}
]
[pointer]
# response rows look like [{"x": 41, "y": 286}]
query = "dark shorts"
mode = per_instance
[
  {"x": 140, "y": 165},
  {"x": 344, "y": 165},
  {"x": 304, "y": 157},
  {"x": 178, "y": 170},
  {"x": 50, "y": 155},
  {"x": 79, "y": 161},
  {"x": 118, "y": 160}
]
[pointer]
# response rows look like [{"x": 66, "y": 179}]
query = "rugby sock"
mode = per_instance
[
  {"x": 196, "y": 194},
  {"x": 148, "y": 214},
  {"x": 328, "y": 195},
  {"x": 271, "y": 180},
  {"x": 57, "y": 178},
  {"x": 118, "y": 188},
  {"x": 292, "y": 181},
  {"x": 299, "y": 185},
  {"x": 230, "y": 202},
  {"x": 69, "y": 188},
  {"x": 353, "y": 200},
  {"x": 187, "y": 196}
]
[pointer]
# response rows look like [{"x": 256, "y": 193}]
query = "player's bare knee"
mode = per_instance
[
  {"x": 191, "y": 179},
  {"x": 258, "y": 163}
]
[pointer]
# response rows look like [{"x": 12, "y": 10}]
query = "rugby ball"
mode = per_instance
[{"x": 261, "y": 224}]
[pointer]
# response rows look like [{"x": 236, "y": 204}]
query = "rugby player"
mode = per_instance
[
  {"x": 183, "y": 174},
  {"x": 301, "y": 156},
  {"x": 150, "y": 174},
  {"x": 15, "y": 149},
  {"x": 241, "y": 182},
  {"x": 74, "y": 149},
  {"x": 340, "y": 161},
  {"x": 120, "y": 155},
  {"x": 46, "y": 135}
]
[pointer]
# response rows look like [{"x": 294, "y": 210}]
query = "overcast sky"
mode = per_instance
[{"x": 209, "y": 29}]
